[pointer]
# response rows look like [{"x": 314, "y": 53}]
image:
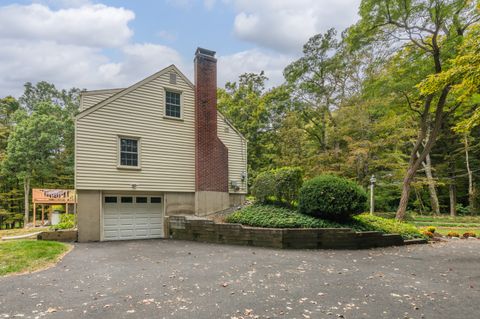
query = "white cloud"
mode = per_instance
[
  {"x": 67, "y": 47},
  {"x": 76, "y": 66},
  {"x": 255, "y": 60},
  {"x": 89, "y": 25},
  {"x": 285, "y": 25}
]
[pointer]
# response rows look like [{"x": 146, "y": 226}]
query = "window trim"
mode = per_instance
[
  {"x": 172, "y": 90},
  {"x": 139, "y": 152}
]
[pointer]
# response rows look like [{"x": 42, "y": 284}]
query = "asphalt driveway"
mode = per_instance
[{"x": 176, "y": 279}]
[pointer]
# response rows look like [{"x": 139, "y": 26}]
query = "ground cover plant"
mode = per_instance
[
  {"x": 28, "y": 255},
  {"x": 271, "y": 216}
]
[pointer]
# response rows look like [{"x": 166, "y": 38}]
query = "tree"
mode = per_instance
[
  {"x": 256, "y": 113},
  {"x": 32, "y": 145},
  {"x": 433, "y": 28},
  {"x": 320, "y": 82}
]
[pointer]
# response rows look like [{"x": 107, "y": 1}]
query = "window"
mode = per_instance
[
  {"x": 110, "y": 199},
  {"x": 155, "y": 200},
  {"x": 125, "y": 199},
  {"x": 141, "y": 200},
  {"x": 129, "y": 152},
  {"x": 172, "y": 104}
]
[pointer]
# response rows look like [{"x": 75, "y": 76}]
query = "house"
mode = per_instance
[{"x": 155, "y": 149}]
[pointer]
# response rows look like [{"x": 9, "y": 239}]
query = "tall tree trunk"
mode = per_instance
[
  {"x": 453, "y": 191},
  {"x": 427, "y": 165},
  {"x": 469, "y": 173},
  {"x": 26, "y": 191},
  {"x": 415, "y": 161}
]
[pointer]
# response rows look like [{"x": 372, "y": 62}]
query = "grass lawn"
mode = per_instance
[
  {"x": 445, "y": 224},
  {"x": 278, "y": 217},
  {"x": 20, "y": 231},
  {"x": 28, "y": 255}
]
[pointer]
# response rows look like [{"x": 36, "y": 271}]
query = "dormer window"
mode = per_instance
[{"x": 172, "y": 104}]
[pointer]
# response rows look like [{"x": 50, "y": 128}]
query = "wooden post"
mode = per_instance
[
  {"x": 34, "y": 214},
  {"x": 66, "y": 208},
  {"x": 43, "y": 214}
]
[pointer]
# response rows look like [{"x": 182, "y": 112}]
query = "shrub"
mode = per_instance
[
  {"x": 263, "y": 187},
  {"x": 67, "y": 221},
  {"x": 462, "y": 210},
  {"x": 367, "y": 222},
  {"x": 469, "y": 234},
  {"x": 331, "y": 197},
  {"x": 288, "y": 181},
  {"x": 427, "y": 233},
  {"x": 276, "y": 217},
  {"x": 431, "y": 229},
  {"x": 280, "y": 185},
  {"x": 453, "y": 234}
]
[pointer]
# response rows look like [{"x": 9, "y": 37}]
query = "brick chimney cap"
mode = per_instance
[{"x": 206, "y": 52}]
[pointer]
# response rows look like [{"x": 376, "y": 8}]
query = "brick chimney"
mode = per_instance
[{"x": 211, "y": 155}]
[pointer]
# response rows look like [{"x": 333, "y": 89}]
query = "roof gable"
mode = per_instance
[{"x": 133, "y": 87}]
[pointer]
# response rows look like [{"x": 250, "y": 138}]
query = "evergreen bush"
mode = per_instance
[{"x": 332, "y": 197}]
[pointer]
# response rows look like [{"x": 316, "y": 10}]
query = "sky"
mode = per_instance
[{"x": 92, "y": 44}]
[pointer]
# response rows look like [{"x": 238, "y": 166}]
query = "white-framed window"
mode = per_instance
[
  {"x": 128, "y": 152},
  {"x": 173, "y": 107}
]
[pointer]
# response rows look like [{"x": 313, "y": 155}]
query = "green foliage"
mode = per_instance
[
  {"x": 263, "y": 187},
  {"x": 332, "y": 197},
  {"x": 67, "y": 221},
  {"x": 288, "y": 181},
  {"x": 28, "y": 255},
  {"x": 277, "y": 217},
  {"x": 462, "y": 210},
  {"x": 431, "y": 229},
  {"x": 270, "y": 216},
  {"x": 369, "y": 222},
  {"x": 279, "y": 185}
]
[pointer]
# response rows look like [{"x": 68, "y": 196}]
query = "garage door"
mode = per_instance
[{"x": 132, "y": 217}]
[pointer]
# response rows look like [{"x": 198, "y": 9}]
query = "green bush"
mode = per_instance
[
  {"x": 431, "y": 229},
  {"x": 67, "y": 221},
  {"x": 279, "y": 185},
  {"x": 367, "y": 222},
  {"x": 277, "y": 217},
  {"x": 331, "y": 197},
  {"x": 263, "y": 187},
  {"x": 288, "y": 181},
  {"x": 462, "y": 210}
]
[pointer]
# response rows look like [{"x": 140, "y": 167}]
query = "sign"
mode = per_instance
[{"x": 53, "y": 196}]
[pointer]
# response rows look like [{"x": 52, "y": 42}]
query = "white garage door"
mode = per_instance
[{"x": 132, "y": 217}]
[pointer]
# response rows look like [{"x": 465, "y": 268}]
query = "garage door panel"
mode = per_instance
[{"x": 132, "y": 220}]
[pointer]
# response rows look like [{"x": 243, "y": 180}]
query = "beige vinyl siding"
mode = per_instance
[
  {"x": 167, "y": 154},
  {"x": 90, "y": 98},
  {"x": 237, "y": 152}
]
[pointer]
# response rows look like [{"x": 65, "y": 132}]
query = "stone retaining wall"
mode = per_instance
[
  {"x": 204, "y": 230},
  {"x": 59, "y": 235}
]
